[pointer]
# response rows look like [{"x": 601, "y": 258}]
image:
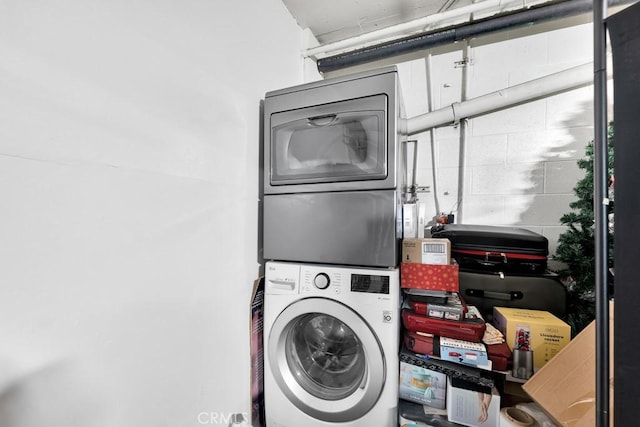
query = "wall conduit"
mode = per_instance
[
  {"x": 414, "y": 25},
  {"x": 426, "y": 40},
  {"x": 552, "y": 84},
  {"x": 432, "y": 134}
]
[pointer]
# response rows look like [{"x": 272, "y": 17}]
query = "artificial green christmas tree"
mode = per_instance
[{"x": 576, "y": 246}]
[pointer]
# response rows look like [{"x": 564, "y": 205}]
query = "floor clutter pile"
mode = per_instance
[{"x": 460, "y": 364}]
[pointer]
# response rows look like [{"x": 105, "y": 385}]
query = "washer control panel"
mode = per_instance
[
  {"x": 319, "y": 278},
  {"x": 329, "y": 280}
]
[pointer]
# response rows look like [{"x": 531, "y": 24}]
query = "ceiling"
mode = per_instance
[{"x": 333, "y": 20}]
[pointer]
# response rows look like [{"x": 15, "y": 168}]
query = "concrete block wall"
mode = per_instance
[{"x": 519, "y": 164}]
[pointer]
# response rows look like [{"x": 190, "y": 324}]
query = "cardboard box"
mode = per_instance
[
  {"x": 422, "y": 385},
  {"x": 534, "y": 331},
  {"x": 430, "y": 277},
  {"x": 256, "y": 333},
  {"x": 466, "y": 352},
  {"x": 565, "y": 387},
  {"x": 466, "y": 406},
  {"x": 426, "y": 251}
]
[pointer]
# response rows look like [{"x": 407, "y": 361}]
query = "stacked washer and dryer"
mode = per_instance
[{"x": 334, "y": 180}]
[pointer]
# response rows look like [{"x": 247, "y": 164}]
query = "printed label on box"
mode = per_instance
[
  {"x": 426, "y": 251},
  {"x": 435, "y": 252}
]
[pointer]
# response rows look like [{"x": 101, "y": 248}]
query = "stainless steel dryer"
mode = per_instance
[{"x": 334, "y": 171}]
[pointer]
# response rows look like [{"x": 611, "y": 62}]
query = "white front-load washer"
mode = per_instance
[{"x": 331, "y": 345}]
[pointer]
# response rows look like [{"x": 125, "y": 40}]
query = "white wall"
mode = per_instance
[
  {"x": 129, "y": 138},
  {"x": 520, "y": 163}
]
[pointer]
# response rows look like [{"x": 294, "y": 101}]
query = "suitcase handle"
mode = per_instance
[
  {"x": 501, "y": 256},
  {"x": 505, "y": 296}
]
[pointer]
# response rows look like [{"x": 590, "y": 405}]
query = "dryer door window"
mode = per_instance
[
  {"x": 343, "y": 141},
  {"x": 326, "y": 359}
]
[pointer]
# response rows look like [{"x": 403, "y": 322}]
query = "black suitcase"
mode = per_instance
[
  {"x": 496, "y": 248},
  {"x": 485, "y": 290}
]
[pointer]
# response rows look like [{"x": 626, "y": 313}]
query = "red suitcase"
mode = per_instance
[
  {"x": 467, "y": 330},
  {"x": 500, "y": 356},
  {"x": 496, "y": 248},
  {"x": 418, "y": 342}
]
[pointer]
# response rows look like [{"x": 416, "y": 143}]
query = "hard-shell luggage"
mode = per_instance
[
  {"x": 496, "y": 248},
  {"x": 419, "y": 342},
  {"x": 466, "y": 330},
  {"x": 536, "y": 292},
  {"x": 500, "y": 356}
]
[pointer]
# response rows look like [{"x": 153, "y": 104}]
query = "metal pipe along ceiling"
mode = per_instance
[
  {"x": 569, "y": 79},
  {"x": 508, "y": 20},
  {"x": 414, "y": 25}
]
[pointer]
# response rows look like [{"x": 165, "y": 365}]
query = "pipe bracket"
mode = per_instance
[{"x": 456, "y": 116}]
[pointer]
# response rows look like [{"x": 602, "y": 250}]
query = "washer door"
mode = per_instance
[{"x": 326, "y": 360}]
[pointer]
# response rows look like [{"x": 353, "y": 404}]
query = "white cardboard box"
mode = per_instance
[{"x": 466, "y": 407}]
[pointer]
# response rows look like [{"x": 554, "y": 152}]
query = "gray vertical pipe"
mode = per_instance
[
  {"x": 464, "y": 132},
  {"x": 600, "y": 186},
  {"x": 432, "y": 135}
]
